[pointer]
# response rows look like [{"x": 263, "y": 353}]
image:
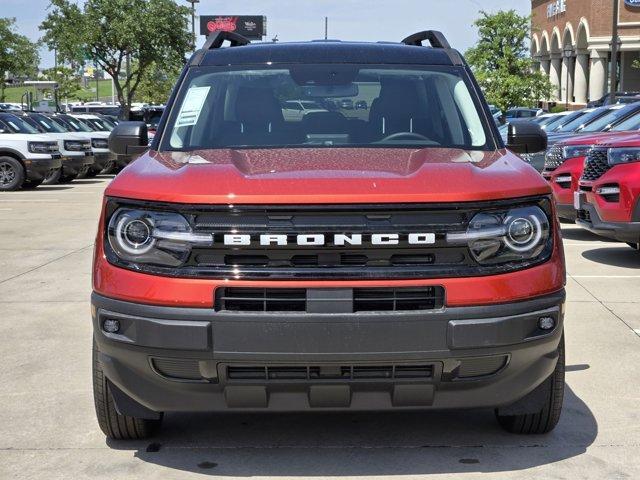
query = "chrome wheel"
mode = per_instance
[{"x": 7, "y": 173}]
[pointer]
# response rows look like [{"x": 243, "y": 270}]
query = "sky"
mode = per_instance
[{"x": 368, "y": 20}]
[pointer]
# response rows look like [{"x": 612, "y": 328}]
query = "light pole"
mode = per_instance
[
  {"x": 615, "y": 43},
  {"x": 193, "y": 20}
]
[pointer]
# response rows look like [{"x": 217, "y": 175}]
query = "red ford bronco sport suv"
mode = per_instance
[
  {"x": 607, "y": 201},
  {"x": 394, "y": 257}
]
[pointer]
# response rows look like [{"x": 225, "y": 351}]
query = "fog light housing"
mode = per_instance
[
  {"x": 111, "y": 326},
  {"x": 546, "y": 323}
]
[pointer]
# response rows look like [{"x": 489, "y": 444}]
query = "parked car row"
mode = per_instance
[
  {"x": 595, "y": 177},
  {"x": 51, "y": 148}
]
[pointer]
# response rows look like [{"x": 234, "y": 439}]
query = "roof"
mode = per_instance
[{"x": 327, "y": 51}]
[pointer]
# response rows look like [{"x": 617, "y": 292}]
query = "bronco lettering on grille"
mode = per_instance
[{"x": 320, "y": 239}]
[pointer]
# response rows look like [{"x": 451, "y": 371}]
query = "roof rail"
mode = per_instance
[
  {"x": 215, "y": 40},
  {"x": 436, "y": 39}
]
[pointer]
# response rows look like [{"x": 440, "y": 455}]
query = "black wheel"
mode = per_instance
[
  {"x": 546, "y": 419},
  {"x": 53, "y": 177},
  {"x": 31, "y": 184},
  {"x": 91, "y": 173},
  {"x": 12, "y": 174},
  {"x": 112, "y": 424},
  {"x": 67, "y": 178}
]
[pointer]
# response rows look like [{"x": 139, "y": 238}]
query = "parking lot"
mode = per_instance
[{"x": 48, "y": 427}]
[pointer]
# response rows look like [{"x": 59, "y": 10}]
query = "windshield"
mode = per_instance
[
  {"x": 631, "y": 123},
  {"x": 98, "y": 124},
  {"x": 605, "y": 121},
  {"x": 578, "y": 122},
  {"x": 17, "y": 125},
  {"x": 567, "y": 119},
  {"x": 401, "y": 107},
  {"x": 74, "y": 124},
  {"x": 47, "y": 124}
]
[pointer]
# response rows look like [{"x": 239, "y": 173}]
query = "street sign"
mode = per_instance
[{"x": 253, "y": 27}]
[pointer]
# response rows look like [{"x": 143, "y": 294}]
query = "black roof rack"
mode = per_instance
[
  {"x": 437, "y": 40},
  {"x": 215, "y": 40}
]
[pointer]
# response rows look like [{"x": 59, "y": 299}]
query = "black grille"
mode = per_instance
[
  {"x": 249, "y": 259},
  {"x": 597, "y": 164},
  {"x": 330, "y": 373},
  {"x": 553, "y": 158},
  {"x": 244, "y": 299}
]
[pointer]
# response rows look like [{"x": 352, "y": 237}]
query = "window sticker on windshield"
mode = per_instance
[{"x": 192, "y": 106}]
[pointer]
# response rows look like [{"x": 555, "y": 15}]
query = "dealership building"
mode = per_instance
[{"x": 571, "y": 44}]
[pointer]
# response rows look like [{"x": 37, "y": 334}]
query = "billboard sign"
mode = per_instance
[{"x": 253, "y": 27}]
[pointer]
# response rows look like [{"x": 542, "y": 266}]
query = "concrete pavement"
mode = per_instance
[{"x": 48, "y": 427}]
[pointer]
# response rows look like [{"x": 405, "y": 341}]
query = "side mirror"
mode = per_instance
[
  {"x": 129, "y": 138},
  {"x": 526, "y": 137}
]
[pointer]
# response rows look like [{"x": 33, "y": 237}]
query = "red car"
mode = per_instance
[
  {"x": 607, "y": 201},
  {"x": 396, "y": 258},
  {"x": 563, "y": 167}
]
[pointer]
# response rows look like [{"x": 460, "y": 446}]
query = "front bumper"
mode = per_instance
[
  {"x": 103, "y": 160},
  {"x": 589, "y": 219},
  {"x": 77, "y": 163},
  {"x": 37, "y": 168},
  {"x": 197, "y": 359}
]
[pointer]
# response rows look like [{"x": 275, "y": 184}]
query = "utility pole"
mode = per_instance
[
  {"x": 326, "y": 28},
  {"x": 193, "y": 21},
  {"x": 615, "y": 44}
]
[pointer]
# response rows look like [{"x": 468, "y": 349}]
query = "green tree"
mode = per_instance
[
  {"x": 156, "y": 84},
  {"x": 108, "y": 32},
  {"x": 502, "y": 64},
  {"x": 18, "y": 55},
  {"x": 67, "y": 79}
]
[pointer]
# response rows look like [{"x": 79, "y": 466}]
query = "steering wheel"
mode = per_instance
[{"x": 405, "y": 136}]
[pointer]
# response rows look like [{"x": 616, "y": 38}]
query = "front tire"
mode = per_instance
[
  {"x": 112, "y": 424},
  {"x": 12, "y": 174},
  {"x": 547, "y": 418}
]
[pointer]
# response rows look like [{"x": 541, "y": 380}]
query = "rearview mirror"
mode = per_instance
[
  {"x": 129, "y": 138},
  {"x": 525, "y": 136}
]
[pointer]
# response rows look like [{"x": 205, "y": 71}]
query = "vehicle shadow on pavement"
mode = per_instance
[
  {"x": 581, "y": 234},
  {"x": 624, "y": 256},
  {"x": 359, "y": 444}
]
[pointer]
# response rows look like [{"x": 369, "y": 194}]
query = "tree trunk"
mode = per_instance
[
  {"x": 2, "y": 85},
  {"x": 125, "y": 106}
]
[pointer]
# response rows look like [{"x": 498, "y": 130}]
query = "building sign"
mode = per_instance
[
  {"x": 557, "y": 7},
  {"x": 253, "y": 27},
  {"x": 632, "y": 3}
]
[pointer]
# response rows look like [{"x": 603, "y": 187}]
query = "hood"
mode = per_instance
[
  {"x": 29, "y": 137},
  {"x": 593, "y": 138},
  {"x": 327, "y": 175},
  {"x": 630, "y": 139},
  {"x": 63, "y": 136}
]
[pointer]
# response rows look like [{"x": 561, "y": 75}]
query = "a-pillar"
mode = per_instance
[
  {"x": 580, "y": 87},
  {"x": 597, "y": 74},
  {"x": 554, "y": 75},
  {"x": 566, "y": 79}
]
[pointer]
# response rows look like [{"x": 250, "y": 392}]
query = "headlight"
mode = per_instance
[
  {"x": 514, "y": 235},
  {"x": 99, "y": 143},
  {"x": 156, "y": 238},
  {"x": 42, "y": 147},
  {"x": 575, "y": 151},
  {"x": 618, "y": 156},
  {"x": 74, "y": 145}
]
